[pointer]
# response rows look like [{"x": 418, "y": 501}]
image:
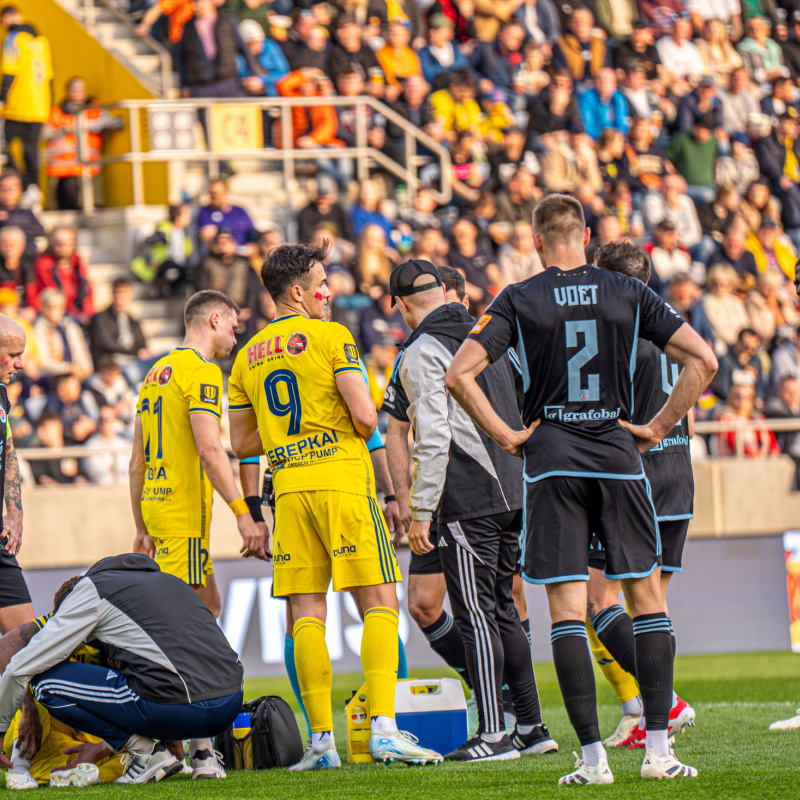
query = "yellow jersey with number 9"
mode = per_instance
[
  {"x": 287, "y": 374},
  {"x": 177, "y": 494}
]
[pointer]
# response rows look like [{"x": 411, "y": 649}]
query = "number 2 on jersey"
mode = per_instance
[
  {"x": 157, "y": 412},
  {"x": 575, "y": 391},
  {"x": 283, "y": 377}
]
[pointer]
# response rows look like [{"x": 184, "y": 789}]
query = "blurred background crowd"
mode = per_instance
[{"x": 675, "y": 125}]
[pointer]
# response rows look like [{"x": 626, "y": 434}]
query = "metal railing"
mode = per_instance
[
  {"x": 413, "y": 138},
  {"x": 89, "y": 9},
  {"x": 741, "y": 427}
]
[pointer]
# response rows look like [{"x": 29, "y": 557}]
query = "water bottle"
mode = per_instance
[
  {"x": 241, "y": 725},
  {"x": 267, "y": 491}
]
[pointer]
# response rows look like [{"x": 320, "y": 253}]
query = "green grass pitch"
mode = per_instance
[{"x": 735, "y": 696}]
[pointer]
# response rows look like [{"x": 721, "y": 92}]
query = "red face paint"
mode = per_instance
[{"x": 319, "y": 296}]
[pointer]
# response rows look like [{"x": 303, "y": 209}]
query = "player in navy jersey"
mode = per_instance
[
  {"x": 668, "y": 467},
  {"x": 575, "y": 329}
]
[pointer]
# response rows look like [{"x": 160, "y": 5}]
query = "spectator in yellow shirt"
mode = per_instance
[
  {"x": 456, "y": 109},
  {"x": 398, "y": 60},
  {"x": 26, "y": 94}
]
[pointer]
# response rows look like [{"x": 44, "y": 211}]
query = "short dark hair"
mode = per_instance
[
  {"x": 202, "y": 302},
  {"x": 290, "y": 264},
  {"x": 48, "y": 416},
  {"x": 747, "y": 332},
  {"x": 7, "y": 174},
  {"x": 107, "y": 363},
  {"x": 463, "y": 77},
  {"x": 64, "y": 591},
  {"x": 120, "y": 283},
  {"x": 453, "y": 281},
  {"x": 557, "y": 218},
  {"x": 8, "y": 10},
  {"x": 624, "y": 257}
]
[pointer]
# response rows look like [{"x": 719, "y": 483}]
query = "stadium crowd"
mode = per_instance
[{"x": 674, "y": 125}]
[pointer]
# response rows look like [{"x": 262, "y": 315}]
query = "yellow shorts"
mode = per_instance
[
  {"x": 57, "y": 737},
  {"x": 187, "y": 558},
  {"x": 327, "y": 534}
]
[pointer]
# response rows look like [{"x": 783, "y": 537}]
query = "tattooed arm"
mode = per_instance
[
  {"x": 14, "y": 641},
  {"x": 12, "y": 522}
]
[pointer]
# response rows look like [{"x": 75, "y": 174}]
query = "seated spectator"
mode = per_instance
[
  {"x": 531, "y": 75},
  {"x": 772, "y": 251},
  {"x": 679, "y": 56},
  {"x": 16, "y": 266},
  {"x": 540, "y": 20},
  {"x": 619, "y": 203},
  {"x": 643, "y": 102},
  {"x": 301, "y": 47},
  {"x": 366, "y": 210},
  {"x": 380, "y": 320},
  {"x": 23, "y": 218},
  {"x": 107, "y": 469},
  {"x": 270, "y": 62},
  {"x": 668, "y": 257},
  {"x": 739, "y": 166},
  {"x": 430, "y": 245},
  {"x": 397, "y": 59},
  {"x": 76, "y": 410},
  {"x": 685, "y": 298},
  {"x": 674, "y": 204},
  {"x": 65, "y": 161},
  {"x": 720, "y": 58},
  {"x": 694, "y": 155},
  {"x": 639, "y": 49},
  {"x": 22, "y": 430},
  {"x": 604, "y": 106},
  {"x": 702, "y": 106},
  {"x": 325, "y": 209},
  {"x": 643, "y": 163},
  {"x": 755, "y": 442},
  {"x": 224, "y": 271},
  {"x": 473, "y": 258},
  {"x": 206, "y": 55},
  {"x": 440, "y": 54},
  {"x": 514, "y": 203},
  {"x": 592, "y": 203},
  {"x": 757, "y": 202},
  {"x": 781, "y": 98},
  {"x": 379, "y": 363},
  {"x": 555, "y": 109},
  {"x": 505, "y": 160},
  {"x": 569, "y": 161},
  {"x": 351, "y": 52},
  {"x": 517, "y": 258},
  {"x": 610, "y": 152},
  {"x": 716, "y": 217},
  {"x": 413, "y": 104},
  {"x": 421, "y": 215},
  {"x": 455, "y": 107},
  {"x": 169, "y": 252},
  {"x": 741, "y": 364},
  {"x": 786, "y": 405},
  {"x": 468, "y": 175},
  {"x": 733, "y": 251},
  {"x": 790, "y": 45},
  {"x": 730, "y": 14},
  {"x": 314, "y": 126},
  {"x": 608, "y": 230},
  {"x": 723, "y": 307},
  {"x": 495, "y": 62},
  {"x": 54, "y": 471},
  {"x": 761, "y": 56},
  {"x": 9, "y": 305},
  {"x": 779, "y": 160},
  {"x": 616, "y": 19},
  {"x": 582, "y": 52},
  {"x": 115, "y": 332},
  {"x": 221, "y": 213},
  {"x": 374, "y": 260},
  {"x": 785, "y": 361},
  {"x": 771, "y": 306},
  {"x": 739, "y": 103},
  {"x": 109, "y": 388},
  {"x": 62, "y": 268}
]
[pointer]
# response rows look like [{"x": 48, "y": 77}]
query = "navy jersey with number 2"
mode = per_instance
[{"x": 575, "y": 332}]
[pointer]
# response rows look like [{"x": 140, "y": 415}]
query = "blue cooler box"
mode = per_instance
[{"x": 435, "y": 711}]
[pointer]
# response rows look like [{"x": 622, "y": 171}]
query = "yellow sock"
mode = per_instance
[
  {"x": 623, "y": 684},
  {"x": 379, "y": 658},
  {"x": 314, "y": 672}
]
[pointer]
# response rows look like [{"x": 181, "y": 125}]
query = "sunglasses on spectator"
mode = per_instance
[{"x": 682, "y": 15}]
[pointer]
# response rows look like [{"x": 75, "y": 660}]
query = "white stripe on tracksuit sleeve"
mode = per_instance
[
  {"x": 64, "y": 632},
  {"x": 422, "y": 374}
]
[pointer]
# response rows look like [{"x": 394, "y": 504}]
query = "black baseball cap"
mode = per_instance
[{"x": 401, "y": 282}]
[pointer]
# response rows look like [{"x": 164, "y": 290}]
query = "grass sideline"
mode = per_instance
[{"x": 736, "y": 697}]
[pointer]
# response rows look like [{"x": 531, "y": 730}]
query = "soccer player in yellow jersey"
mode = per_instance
[
  {"x": 297, "y": 393},
  {"x": 178, "y": 461}
]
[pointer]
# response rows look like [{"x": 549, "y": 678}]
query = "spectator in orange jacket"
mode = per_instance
[
  {"x": 312, "y": 126},
  {"x": 60, "y": 267},
  {"x": 398, "y": 60}
]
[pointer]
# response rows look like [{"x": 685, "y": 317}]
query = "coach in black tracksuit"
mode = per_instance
[{"x": 476, "y": 491}]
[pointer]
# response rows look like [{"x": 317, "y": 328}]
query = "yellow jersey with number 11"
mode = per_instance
[
  {"x": 177, "y": 494},
  {"x": 287, "y": 374}
]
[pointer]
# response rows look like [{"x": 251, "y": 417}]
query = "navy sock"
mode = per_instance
[
  {"x": 653, "y": 643},
  {"x": 445, "y": 639},
  {"x": 614, "y": 629}
]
